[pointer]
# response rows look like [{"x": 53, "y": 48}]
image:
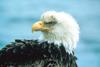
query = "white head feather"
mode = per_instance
[{"x": 65, "y": 31}]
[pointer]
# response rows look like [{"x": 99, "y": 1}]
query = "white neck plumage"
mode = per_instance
[{"x": 59, "y": 37}]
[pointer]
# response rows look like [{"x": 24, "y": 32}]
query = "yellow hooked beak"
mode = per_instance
[{"x": 39, "y": 26}]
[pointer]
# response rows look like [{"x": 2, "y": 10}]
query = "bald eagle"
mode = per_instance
[{"x": 54, "y": 48}]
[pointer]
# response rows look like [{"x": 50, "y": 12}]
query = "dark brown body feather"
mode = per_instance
[{"x": 31, "y": 53}]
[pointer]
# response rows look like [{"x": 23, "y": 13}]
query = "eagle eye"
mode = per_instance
[{"x": 51, "y": 22}]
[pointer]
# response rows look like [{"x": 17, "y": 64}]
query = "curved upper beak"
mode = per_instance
[{"x": 39, "y": 26}]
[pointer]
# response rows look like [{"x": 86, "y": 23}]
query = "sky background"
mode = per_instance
[{"x": 17, "y": 17}]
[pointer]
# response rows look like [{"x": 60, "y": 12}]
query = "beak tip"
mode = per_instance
[{"x": 33, "y": 30}]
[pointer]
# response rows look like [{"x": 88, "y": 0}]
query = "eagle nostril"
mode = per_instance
[{"x": 40, "y": 23}]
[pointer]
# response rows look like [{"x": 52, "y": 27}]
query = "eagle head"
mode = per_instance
[{"x": 59, "y": 28}]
